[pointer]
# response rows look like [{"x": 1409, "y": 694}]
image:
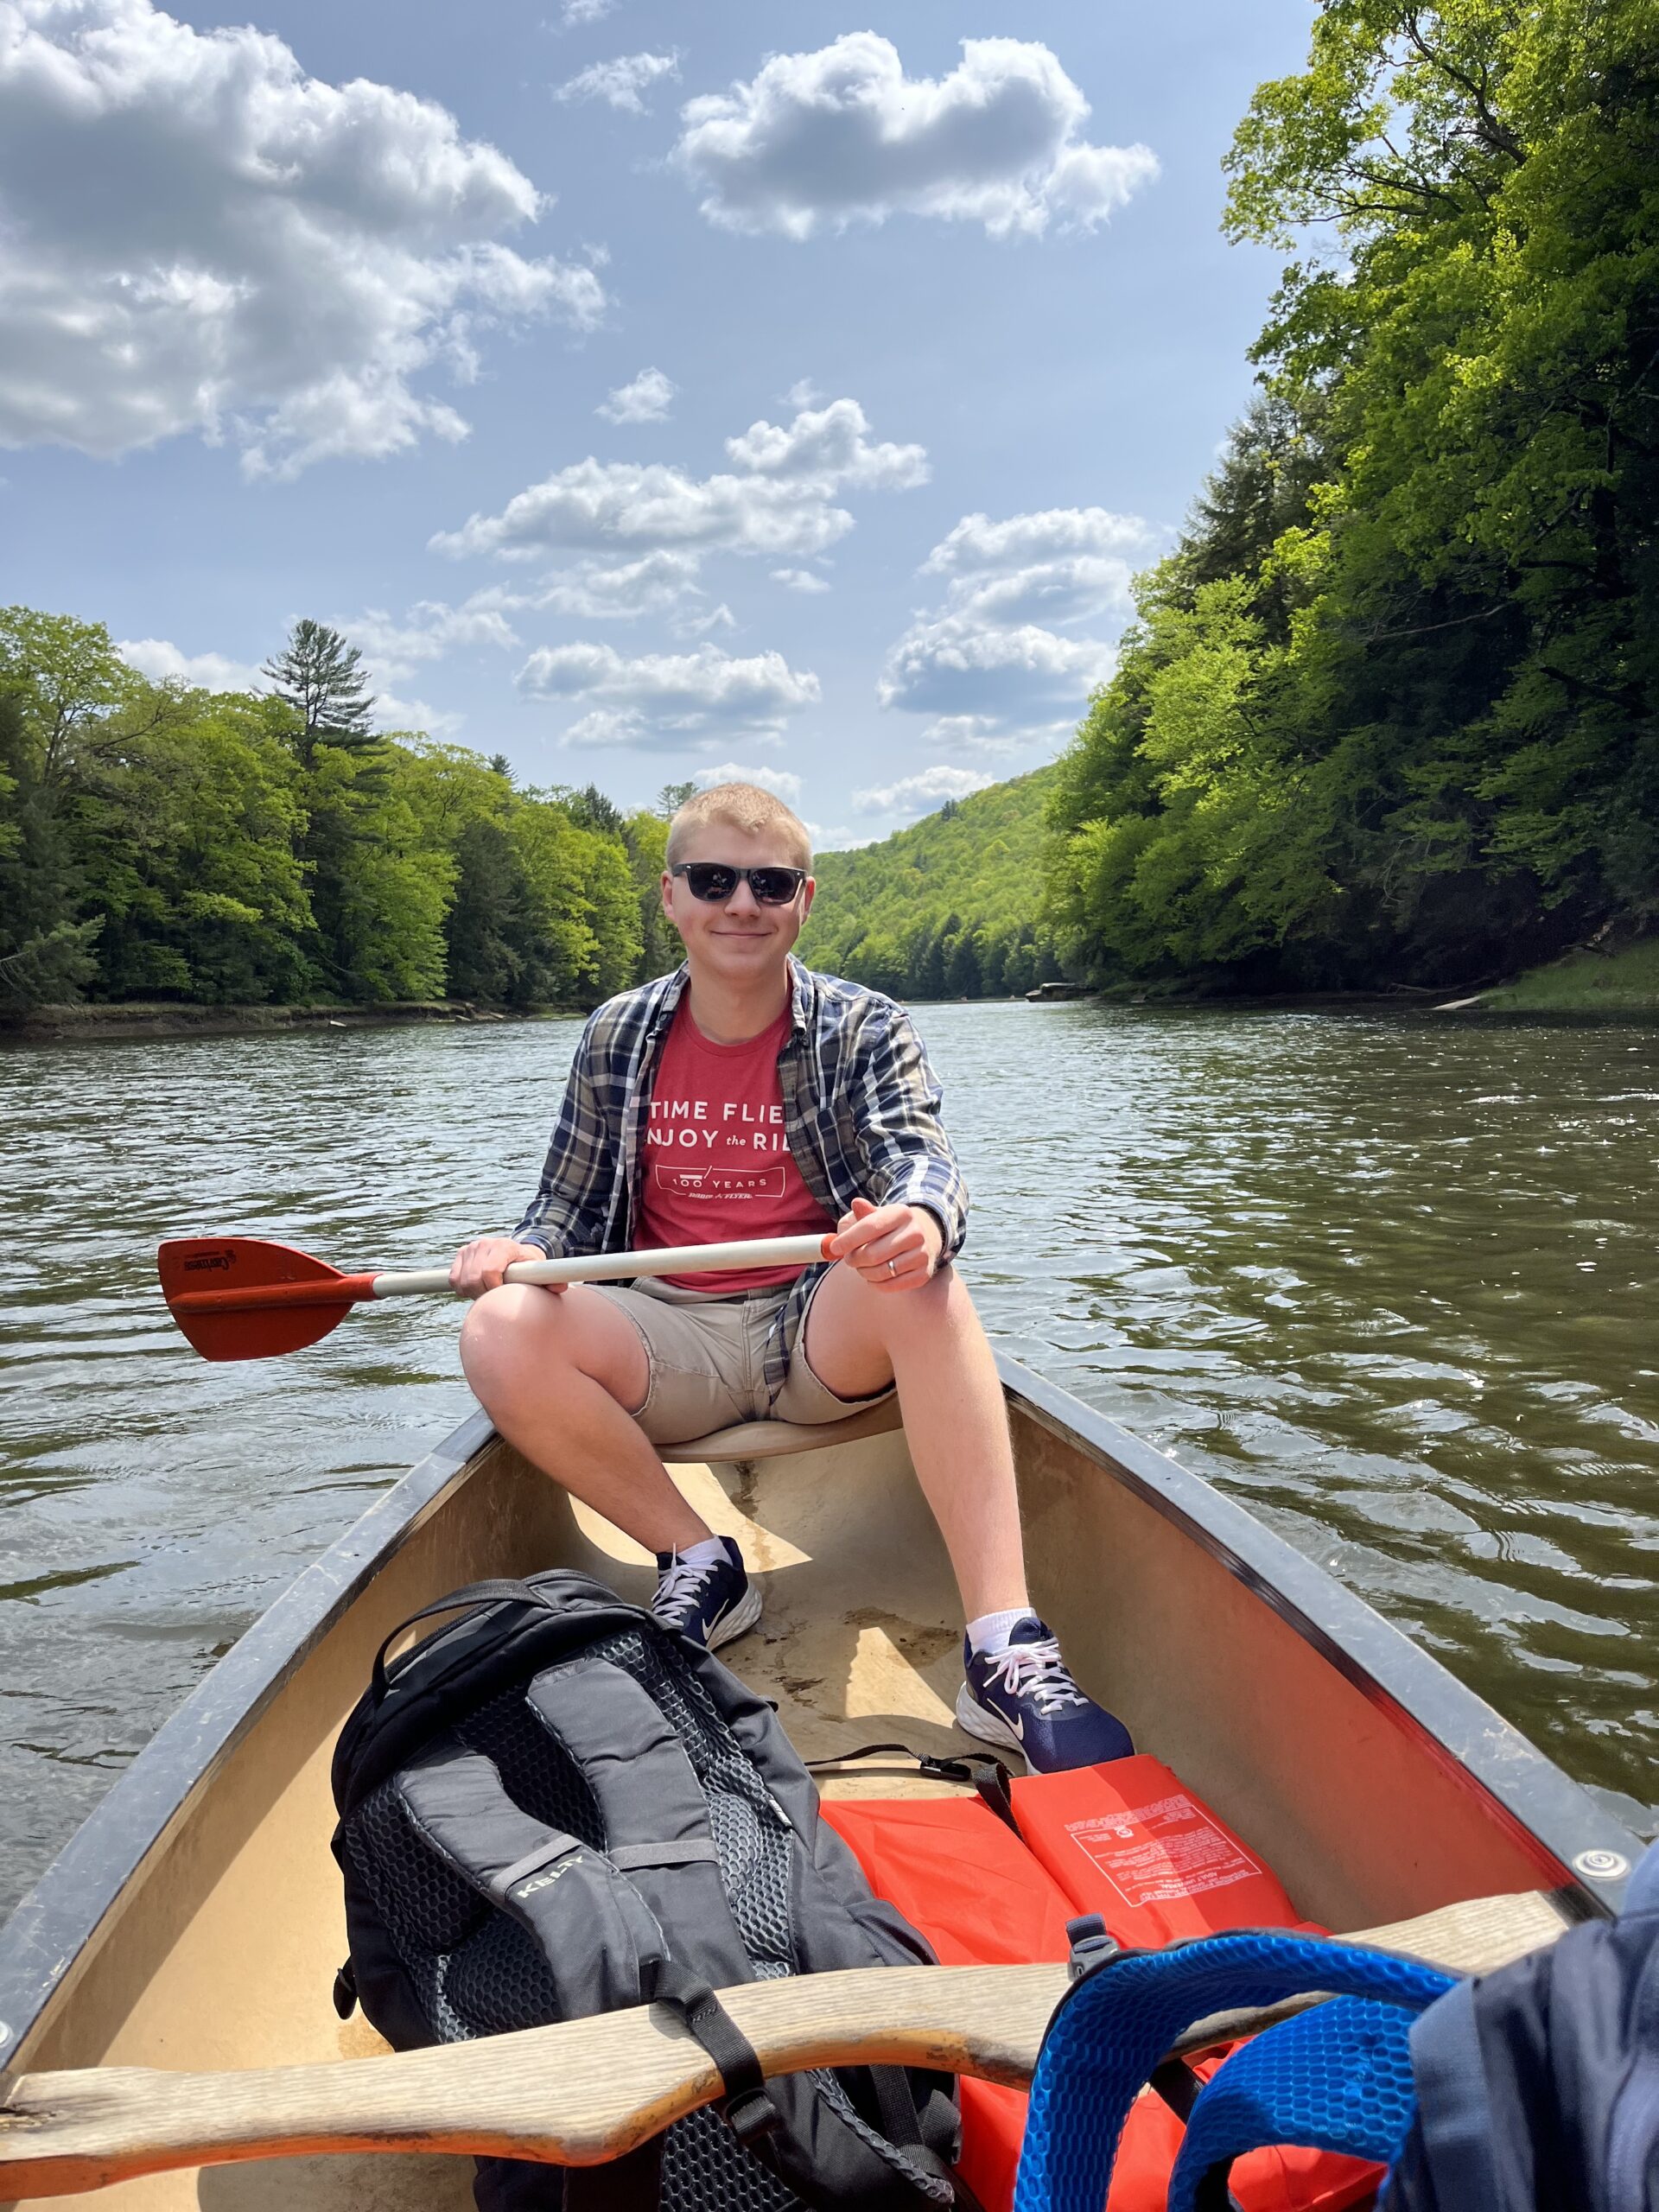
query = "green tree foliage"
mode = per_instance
[
  {"x": 948, "y": 908},
  {"x": 645, "y": 836},
  {"x": 1389, "y": 708},
  {"x": 160, "y": 842},
  {"x": 318, "y": 675}
]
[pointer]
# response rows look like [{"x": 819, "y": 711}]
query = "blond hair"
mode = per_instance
[{"x": 739, "y": 806}]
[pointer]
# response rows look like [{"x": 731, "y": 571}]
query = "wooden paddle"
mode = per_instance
[
  {"x": 241, "y": 1297},
  {"x": 585, "y": 2092}
]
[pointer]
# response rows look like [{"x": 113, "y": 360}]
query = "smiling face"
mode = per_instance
[{"x": 736, "y": 942}]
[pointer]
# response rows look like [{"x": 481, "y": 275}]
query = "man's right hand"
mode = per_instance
[{"x": 479, "y": 1266}]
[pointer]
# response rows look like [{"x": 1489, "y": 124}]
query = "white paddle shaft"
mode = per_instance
[{"x": 613, "y": 1267}]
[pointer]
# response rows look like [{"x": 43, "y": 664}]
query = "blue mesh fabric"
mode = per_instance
[
  {"x": 1111, "y": 2030},
  {"x": 1338, "y": 2078}
]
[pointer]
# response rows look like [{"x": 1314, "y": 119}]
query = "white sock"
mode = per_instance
[
  {"x": 708, "y": 1553},
  {"x": 990, "y": 1633}
]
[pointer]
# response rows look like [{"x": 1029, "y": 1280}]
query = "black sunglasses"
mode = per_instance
[{"x": 713, "y": 881}]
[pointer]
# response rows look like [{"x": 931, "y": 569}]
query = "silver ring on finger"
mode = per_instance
[{"x": 893, "y": 1266}]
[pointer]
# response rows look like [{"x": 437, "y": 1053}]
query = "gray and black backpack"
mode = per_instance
[{"x": 554, "y": 1808}]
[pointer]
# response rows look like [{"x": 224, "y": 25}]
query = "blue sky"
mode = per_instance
[{"x": 648, "y": 391}]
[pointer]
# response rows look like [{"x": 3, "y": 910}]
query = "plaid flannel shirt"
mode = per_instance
[{"x": 861, "y": 1110}]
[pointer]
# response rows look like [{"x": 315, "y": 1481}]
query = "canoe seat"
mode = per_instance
[{"x": 773, "y": 1440}]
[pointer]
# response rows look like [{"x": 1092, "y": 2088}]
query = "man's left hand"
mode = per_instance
[{"x": 893, "y": 1248}]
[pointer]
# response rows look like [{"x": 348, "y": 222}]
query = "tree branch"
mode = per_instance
[{"x": 1499, "y": 138}]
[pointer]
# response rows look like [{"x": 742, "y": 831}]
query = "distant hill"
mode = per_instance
[{"x": 946, "y": 909}]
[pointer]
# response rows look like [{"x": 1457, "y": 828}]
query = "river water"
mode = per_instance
[{"x": 1389, "y": 1279}]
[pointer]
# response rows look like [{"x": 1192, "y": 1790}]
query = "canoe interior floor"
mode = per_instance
[{"x": 861, "y": 1638}]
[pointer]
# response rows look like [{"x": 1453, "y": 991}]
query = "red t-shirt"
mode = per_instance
[{"x": 717, "y": 1159}]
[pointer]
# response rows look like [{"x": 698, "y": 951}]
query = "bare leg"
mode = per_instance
[
  {"x": 930, "y": 1342},
  {"x": 557, "y": 1374}
]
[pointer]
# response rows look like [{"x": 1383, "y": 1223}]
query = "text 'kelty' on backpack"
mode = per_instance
[{"x": 554, "y": 1808}]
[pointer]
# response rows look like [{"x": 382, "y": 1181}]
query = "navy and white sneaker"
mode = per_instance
[
  {"x": 711, "y": 1604},
  {"x": 1025, "y": 1699}
]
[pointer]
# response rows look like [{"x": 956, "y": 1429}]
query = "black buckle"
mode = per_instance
[
  {"x": 750, "y": 2115},
  {"x": 1091, "y": 1946}
]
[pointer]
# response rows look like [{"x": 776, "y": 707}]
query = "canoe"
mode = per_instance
[{"x": 196, "y": 1921}]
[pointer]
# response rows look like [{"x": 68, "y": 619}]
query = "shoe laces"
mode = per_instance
[
  {"x": 680, "y": 1589},
  {"x": 1036, "y": 1671}
]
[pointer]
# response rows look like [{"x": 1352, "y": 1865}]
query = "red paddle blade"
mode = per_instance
[{"x": 240, "y": 1298}]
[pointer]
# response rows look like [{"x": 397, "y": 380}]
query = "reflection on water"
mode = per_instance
[{"x": 1389, "y": 1279}]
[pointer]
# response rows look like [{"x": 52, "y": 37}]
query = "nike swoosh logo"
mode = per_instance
[{"x": 1018, "y": 1726}]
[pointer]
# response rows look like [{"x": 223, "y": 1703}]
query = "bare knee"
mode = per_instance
[
  {"x": 933, "y": 1309},
  {"x": 504, "y": 1330},
  {"x": 521, "y": 1345}
]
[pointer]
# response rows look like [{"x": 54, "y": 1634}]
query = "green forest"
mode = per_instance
[
  {"x": 1388, "y": 714},
  {"x": 157, "y": 842},
  {"x": 948, "y": 908}
]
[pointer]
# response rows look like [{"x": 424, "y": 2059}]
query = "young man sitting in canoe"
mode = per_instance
[{"x": 744, "y": 1096}]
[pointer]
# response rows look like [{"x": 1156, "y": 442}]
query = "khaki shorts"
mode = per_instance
[{"x": 707, "y": 1361}]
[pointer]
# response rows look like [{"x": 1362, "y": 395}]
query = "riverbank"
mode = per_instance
[
  {"x": 1585, "y": 982},
  {"x": 164, "y": 1018}
]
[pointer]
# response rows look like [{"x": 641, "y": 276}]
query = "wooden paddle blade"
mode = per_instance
[{"x": 255, "y": 1320}]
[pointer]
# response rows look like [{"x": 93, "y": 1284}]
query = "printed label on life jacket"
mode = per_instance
[{"x": 1159, "y": 1853}]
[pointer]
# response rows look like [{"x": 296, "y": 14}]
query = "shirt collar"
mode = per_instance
[
  {"x": 671, "y": 990},
  {"x": 800, "y": 984}
]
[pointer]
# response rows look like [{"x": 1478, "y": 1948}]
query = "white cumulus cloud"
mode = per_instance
[
  {"x": 431, "y": 629},
  {"x": 783, "y": 783},
  {"x": 662, "y": 700},
  {"x": 647, "y": 399},
  {"x": 595, "y": 505},
  {"x": 1000, "y": 665},
  {"x": 1047, "y": 534},
  {"x": 914, "y": 795},
  {"x": 842, "y": 135},
  {"x": 984, "y": 737},
  {"x": 620, "y": 83},
  {"x": 831, "y": 446},
  {"x": 690, "y": 623},
  {"x": 656, "y": 583},
  {"x": 804, "y": 580},
  {"x": 163, "y": 662},
  {"x": 780, "y": 499},
  {"x": 951, "y": 665},
  {"x": 196, "y": 236},
  {"x": 391, "y": 712},
  {"x": 575, "y": 13}
]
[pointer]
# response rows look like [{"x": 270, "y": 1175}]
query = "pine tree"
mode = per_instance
[
  {"x": 591, "y": 810},
  {"x": 318, "y": 674}
]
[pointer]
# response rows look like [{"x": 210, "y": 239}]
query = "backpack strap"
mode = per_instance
[
  {"x": 989, "y": 1776},
  {"x": 655, "y": 1814},
  {"x": 1338, "y": 2078},
  {"x": 1110, "y": 2029},
  {"x": 657, "y": 1828},
  {"x": 601, "y": 1943},
  {"x": 746, "y": 2107},
  {"x": 502, "y": 1591}
]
